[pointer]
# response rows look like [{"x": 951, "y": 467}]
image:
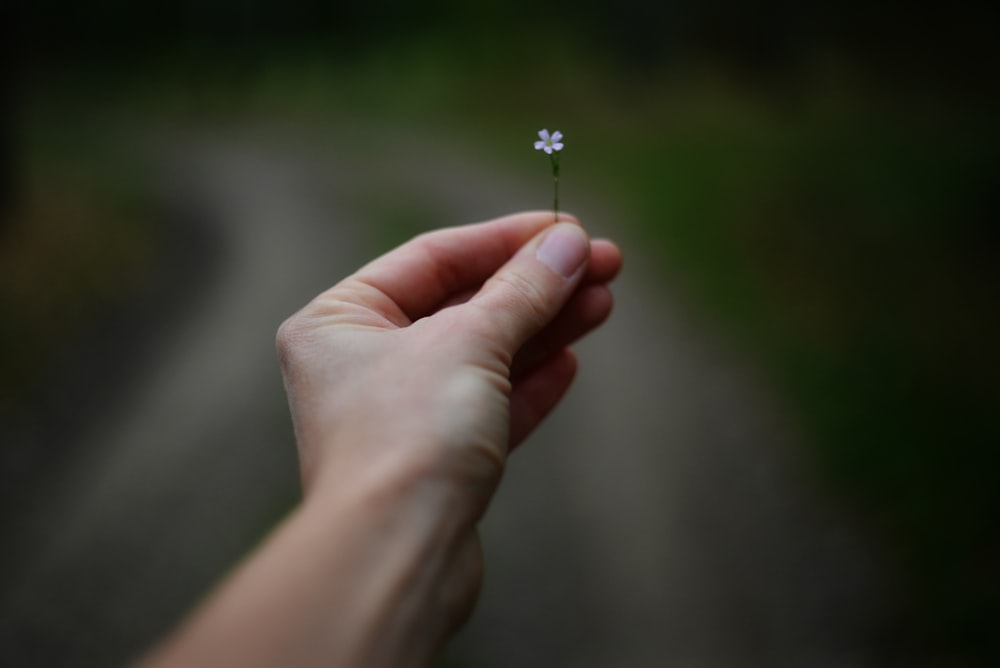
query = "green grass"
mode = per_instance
[{"x": 848, "y": 255}]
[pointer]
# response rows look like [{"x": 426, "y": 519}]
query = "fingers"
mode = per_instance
[
  {"x": 534, "y": 396},
  {"x": 605, "y": 262},
  {"x": 527, "y": 293},
  {"x": 414, "y": 279},
  {"x": 588, "y": 308},
  {"x": 544, "y": 368}
]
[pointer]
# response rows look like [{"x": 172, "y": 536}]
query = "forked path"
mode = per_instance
[{"x": 659, "y": 518}]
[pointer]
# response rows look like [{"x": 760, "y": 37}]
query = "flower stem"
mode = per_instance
[{"x": 555, "y": 179}]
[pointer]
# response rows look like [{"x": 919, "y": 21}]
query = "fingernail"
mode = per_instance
[{"x": 563, "y": 249}]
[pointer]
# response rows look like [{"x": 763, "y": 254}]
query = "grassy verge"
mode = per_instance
[{"x": 851, "y": 253}]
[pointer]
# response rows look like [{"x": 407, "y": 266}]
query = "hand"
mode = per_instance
[
  {"x": 443, "y": 354},
  {"x": 429, "y": 364}
]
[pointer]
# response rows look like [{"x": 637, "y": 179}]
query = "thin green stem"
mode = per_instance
[{"x": 555, "y": 179}]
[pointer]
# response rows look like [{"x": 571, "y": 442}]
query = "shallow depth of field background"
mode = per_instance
[{"x": 815, "y": 185}]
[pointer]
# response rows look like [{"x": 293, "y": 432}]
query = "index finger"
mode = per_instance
[{"x": 424, "y": 272}]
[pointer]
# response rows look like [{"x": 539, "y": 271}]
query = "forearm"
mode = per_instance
[{"x": 363, "y": 575}]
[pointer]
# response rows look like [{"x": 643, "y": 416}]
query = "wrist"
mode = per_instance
[
  {"x": 414, "y": 560},
  {"x": 453, "y": 482}
]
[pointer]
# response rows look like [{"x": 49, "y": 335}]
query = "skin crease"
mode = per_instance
[{"x": 409, "y": 383}]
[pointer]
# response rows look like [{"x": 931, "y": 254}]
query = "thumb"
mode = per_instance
[{"x": 526, "y": 293}]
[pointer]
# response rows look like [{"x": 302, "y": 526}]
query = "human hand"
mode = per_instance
[{"x": 437, "y": 358}]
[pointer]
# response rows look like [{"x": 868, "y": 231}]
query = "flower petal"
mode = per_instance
[
  {"x": 557, "y": 146},
  {"x": 556, "y": 136},
  {"x": 544, "y": 134},
  {"x": 548, "y": 149},
  {"x": 539, "y": 145}
]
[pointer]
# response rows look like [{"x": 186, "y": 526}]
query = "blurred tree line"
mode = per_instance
[{"x": 945, "y": 48}]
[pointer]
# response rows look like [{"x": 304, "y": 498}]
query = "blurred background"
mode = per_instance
[{"x": 781, "y": 450}]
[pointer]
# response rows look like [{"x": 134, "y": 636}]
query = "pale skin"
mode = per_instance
[{"x": 409, "y": 384}]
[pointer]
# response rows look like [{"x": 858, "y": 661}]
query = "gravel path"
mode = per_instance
[{"x": 660, "y": 518}]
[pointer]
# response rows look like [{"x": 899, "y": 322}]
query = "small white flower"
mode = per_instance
[{"x": 549, "y": 143}]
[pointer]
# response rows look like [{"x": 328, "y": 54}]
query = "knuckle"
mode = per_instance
[
  {"x": 527, "y": 299},
  {"x": 290, "y": 337}
]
